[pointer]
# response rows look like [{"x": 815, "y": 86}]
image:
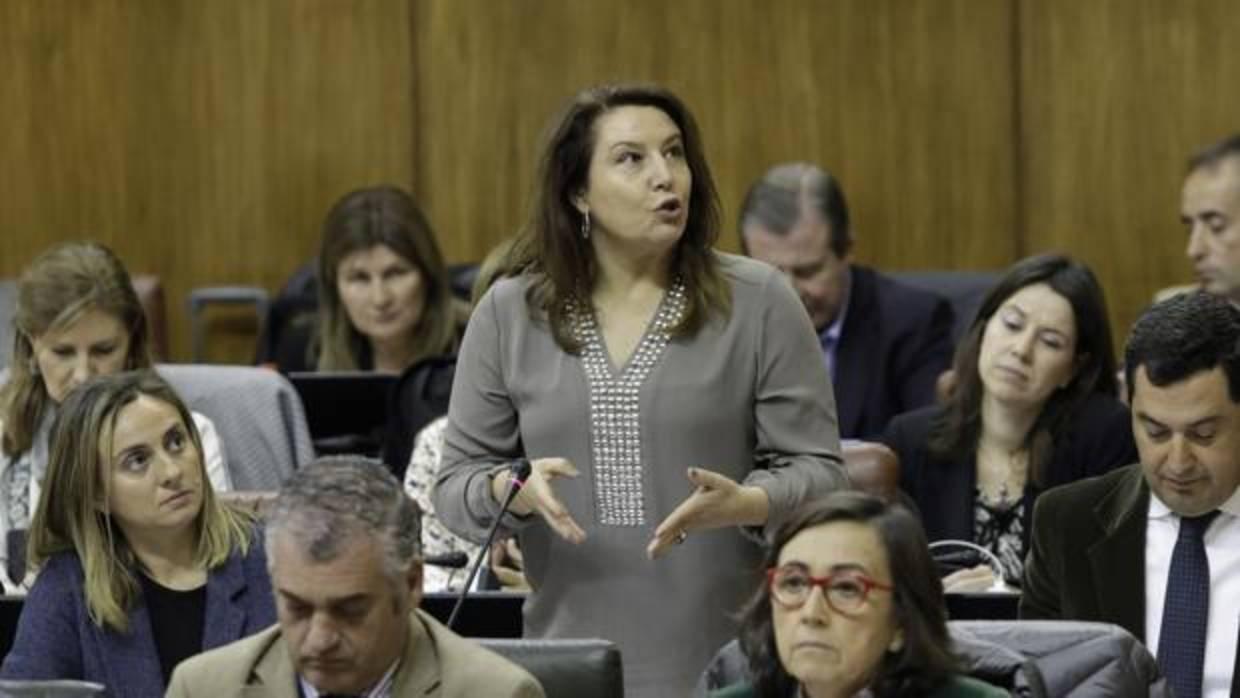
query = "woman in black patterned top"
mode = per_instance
[{"x": 1033, "y": 406}]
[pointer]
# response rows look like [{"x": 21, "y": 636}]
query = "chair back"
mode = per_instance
[
  {"x": 872, "y": 467},
  {"x": 258, "y": 415},
  {"x": 963, "y": 289},
  {"x": 1062, "y": 658},
  {"x": 8, "y": 305},
  {"x": 567, "y": 668}
]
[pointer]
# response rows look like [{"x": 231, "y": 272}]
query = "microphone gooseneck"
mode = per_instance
[{"x": 520, "y": 472}]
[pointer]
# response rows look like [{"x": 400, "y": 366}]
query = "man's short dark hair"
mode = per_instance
[
  {"x": 1182, "y": 336},
  {"x": 1215, "y": 153},
  {"x": 776, "y": 202}
]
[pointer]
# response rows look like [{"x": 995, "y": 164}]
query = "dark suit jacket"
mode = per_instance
[
  {"x": 895, "y": 342},
  {"x": 1087, "y": 559},
  {"x": 56, "y": 639},
  {"x": 1098, "y": 440}
]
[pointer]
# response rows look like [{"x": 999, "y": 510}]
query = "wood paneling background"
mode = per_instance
[
  {"x": 1116, "y": 94},
  {"x": 910, "y": 104},
  {"x": 205, "y": 140}
]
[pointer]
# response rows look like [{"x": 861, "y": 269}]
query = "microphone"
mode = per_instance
[
  {"x": 454, "y": 560},
  {"x": 520, "y": 472}
]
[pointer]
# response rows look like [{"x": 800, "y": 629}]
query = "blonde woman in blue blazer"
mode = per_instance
[{"x": 139, "y": 565}]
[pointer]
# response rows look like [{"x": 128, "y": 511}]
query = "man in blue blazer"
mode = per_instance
[
  {"x": 885, "y": 343},
  {"x": 1155, "y": 547}
]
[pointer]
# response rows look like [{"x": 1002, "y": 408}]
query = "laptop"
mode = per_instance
[{"x": 345, "y": 411}]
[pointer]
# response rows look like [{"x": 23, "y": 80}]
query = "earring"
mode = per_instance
[
  {"x": 34, "y": 367},
  {"x": 585, "y": 225}
]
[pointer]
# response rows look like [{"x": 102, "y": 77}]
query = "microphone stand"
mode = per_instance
[{"x": 520, "y": 471}]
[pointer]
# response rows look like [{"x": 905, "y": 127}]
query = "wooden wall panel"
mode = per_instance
[
  {"x": 909, "y": 103},
  {"x": 204, "y": 141},
  {"x": 1115, "y": 95}
]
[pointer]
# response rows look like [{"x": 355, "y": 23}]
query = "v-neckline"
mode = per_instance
[{"x": 614, "y": 371}]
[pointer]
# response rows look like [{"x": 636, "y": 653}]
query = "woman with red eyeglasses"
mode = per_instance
[{"x": 852, "y": 605}]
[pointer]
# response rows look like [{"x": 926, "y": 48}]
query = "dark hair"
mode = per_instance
[
  {"x": 925, "y": 660},
  {"x": 776, "y": 202},
  {"x": 1184, "y": 335},
  {"x": 551, "y": 247},
  {"x": 956, "y": 430},
  {"x": 1215, "y": 153},
  {"x": 363, "y": 219}
]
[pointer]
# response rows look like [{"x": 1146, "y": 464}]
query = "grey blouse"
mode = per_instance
[{"x": 747, "y": 396}]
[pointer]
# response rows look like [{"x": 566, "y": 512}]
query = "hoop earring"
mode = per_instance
[{"x": 585, "y": 226}]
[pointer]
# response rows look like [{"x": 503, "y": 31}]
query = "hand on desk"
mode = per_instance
[
  {"x": 716, "y": 501},
  {"x": 972, "y": 580}
]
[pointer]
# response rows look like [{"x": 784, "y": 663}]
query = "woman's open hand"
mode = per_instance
[
  {"x": 717, "y": 501},
  {"x": 537, "y": 496}
]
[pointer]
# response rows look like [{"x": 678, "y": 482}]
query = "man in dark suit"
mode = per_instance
[
  {"x": 1155, "y": 547},
  {"x": 344, "y": 554},
  {"x": 1210, "y": 211},
  {"x": 885, "y": 343}
]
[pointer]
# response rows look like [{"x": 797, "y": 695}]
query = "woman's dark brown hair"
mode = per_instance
[
  {"x": 924, "y": 661},
  {"x": 361, "y": 220},
  {"x": 551, "y": 247},
  {"x": 955, "y": 433}
]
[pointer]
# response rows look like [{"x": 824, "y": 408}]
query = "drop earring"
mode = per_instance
[{"x": 585, "y": 225}]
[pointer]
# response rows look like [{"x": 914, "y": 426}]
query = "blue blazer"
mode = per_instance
[{"x": 56, "y": 639}]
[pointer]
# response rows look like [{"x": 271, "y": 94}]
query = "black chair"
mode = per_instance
[
  {"x": 567, "y": 668},
  {"x": 419, "y": 397},
  {"x": 963, "y": 289}
]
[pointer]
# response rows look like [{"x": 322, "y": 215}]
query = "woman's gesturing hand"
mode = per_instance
[
  {"x": 537, "y": 496},
  {"x": 717, "y": 501}
]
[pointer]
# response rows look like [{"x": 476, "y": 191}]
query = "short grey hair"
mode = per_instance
[
  {"x": 778, "y": 199},
  {"x": 324, "y": 504}
]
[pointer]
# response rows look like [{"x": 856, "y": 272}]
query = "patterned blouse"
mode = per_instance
[
  {"x": 436, "y": 539},
  {"x": 1000, "y": 528}
]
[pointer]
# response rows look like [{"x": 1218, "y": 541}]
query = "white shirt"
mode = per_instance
[
  {"x": 1222, "y": 541},
  {"x": 383, "y": 689}
]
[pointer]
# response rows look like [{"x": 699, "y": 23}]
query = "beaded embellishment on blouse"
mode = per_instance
[{"x": 615, "y": 406}]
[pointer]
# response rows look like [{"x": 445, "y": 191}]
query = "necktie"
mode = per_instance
[{"x": 1186, "y": 609}]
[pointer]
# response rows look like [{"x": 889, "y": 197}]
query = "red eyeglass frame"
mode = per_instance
[{"x": 823, "y": 582}]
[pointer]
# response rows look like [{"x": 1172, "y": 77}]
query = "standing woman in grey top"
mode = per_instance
[{"x": 668, "y": 397}]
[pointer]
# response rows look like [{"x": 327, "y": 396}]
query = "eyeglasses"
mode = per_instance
[{"x": 845, "y": 592}]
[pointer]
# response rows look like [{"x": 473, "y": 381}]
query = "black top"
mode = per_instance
[
  {"x": 177, "y": 619},
  {"x": 1097, "y": 439}
]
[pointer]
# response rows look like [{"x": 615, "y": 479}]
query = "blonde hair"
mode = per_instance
[
  {"x": 361, "y": 220},
  {"x": 59, "y": 286},
  {"x": 70, "y": 517}
]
